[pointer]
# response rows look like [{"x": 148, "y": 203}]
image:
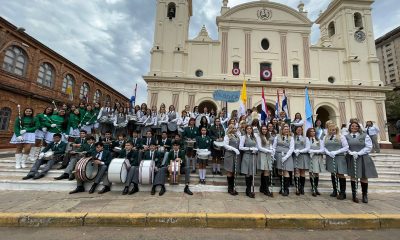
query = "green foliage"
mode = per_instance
[{"x": 393, "y": 105}]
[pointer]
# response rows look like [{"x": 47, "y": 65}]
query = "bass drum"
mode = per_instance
[
  {"x": 118, "y": 170},
  {"x": 86, "y": 170},
  {"x": 146, "y": 172}
]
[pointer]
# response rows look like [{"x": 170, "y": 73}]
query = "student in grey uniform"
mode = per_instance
[
  {"x": 360, "y": 164},
  {"x": 148, "y": 122},
  {"x": 301, "y": 159},
  {"x": 265, "y": 158},
  {"x": 248, "y": 144},
  {"x": 120, "y": 123},
  {"x": 373, "y": 131},
  {"x": 316, "y": 159},
  {"x": 284, "y": 147},
  {"x": 232, "y": 153},
  {"x": 335, "y": 146}
]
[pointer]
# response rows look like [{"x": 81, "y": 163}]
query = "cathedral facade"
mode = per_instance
[{"x": 268, "y": 45}]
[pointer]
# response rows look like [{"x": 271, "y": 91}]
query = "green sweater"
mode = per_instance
[
  {"x": 58, "y": 120},
  {"x": 41, "y": 120},
  {"x": 88, "y": 117},
  {"x": 73, "y": 121},
  {"x": 27, "y": 123}
]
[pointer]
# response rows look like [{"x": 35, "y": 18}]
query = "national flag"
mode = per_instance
[
  {"x": 264, "y": 109},
  {"x": 308, "y": 111},
  {"x": 285, "y": 107},
  {"x": 69, "y": 93},
  {"x": 243, "y": 100},
  {"x": 277, "y": 105}
]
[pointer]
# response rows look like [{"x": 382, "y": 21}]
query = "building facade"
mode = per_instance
[
  {"x": 388, "y": 50},
  {"x": 33, "y": 75},
  {"x": 271, "y": 41}
]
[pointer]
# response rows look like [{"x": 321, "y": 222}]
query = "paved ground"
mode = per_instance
[
  {"x": 188, "y": 233},
  {"x": 204, "y": 202}
]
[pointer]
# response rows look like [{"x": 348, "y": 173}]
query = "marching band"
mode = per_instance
[{"x": 142, "y": 145}]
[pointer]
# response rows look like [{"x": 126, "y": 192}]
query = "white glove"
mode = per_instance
[
  {"x": 311, "y": 151},
  {"x": 297, "y": 152},
  {"x": 87, "y": 123},
  {"x": 254, "y": 149},
  {"x": 41, "y": 155},
  {"x": 332, "y": 155},
  {"x": 53, "y": 125},
  {"x": 20, "y": 138},
  {"x": 44, "y": 129},
  {"x": 236, "y": 151},
  {"x": 22, "y": 131},
  {"x": 115, "y": 125},
  {"x": 66, "y": 136},
  {"x": 311, "y": 154}
]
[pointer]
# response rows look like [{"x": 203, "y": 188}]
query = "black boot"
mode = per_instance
[
  {"x": 125, "y": 191},
  {"x": 342, "y": 193},
  {"x": 262, "y": 185},
  {"x": 313, "y": 187},
  {"x": 286, "y": 183},
  {"x": 302, "y": 183},
  {"x": 291, "y": 178},
  {"x": 135, "y": 189},
  {"x": 364, "y": 187},
  {"x": 230, "y": 185},
  {"x": 249, "y": 181},
  {"x": 297, "y": 185},
  {"x": 316, "y": 181},
  {"x": 187, "y": 190},
  {"x": 77, "y": 190},
  {"x": 268, "y": 183},
  {"x": 63, "y": 176},
  {"x": 334, "y": 193},
  {"x": 153, "y": 190},
  {"x": 93, "y": 188},
  {"x": 354, "y": 191}
]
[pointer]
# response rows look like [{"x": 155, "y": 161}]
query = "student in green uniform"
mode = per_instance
[
  {"x": 203, "y": 142},
  {"x": 73, "y": 124},
  {"x": 88, "y": 119},
  {"x": 56, "y": 124}
]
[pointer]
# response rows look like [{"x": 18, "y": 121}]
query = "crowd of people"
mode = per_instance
[{"x": 193, "y": 139}]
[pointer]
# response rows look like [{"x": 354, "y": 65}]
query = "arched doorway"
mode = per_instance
[
  {"x": 209, "y": 104},
  {"x": 271, "y": 109},
  {"x": 325, "y": 113}
]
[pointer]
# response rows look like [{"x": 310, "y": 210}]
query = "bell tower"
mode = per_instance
[
  {"x": 170, "y": 36},
  {"x": 348, "y": 25}
]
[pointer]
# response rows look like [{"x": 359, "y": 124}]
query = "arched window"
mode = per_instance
[
  {"x": 171, "y": 10},
  {"x": 358, "y": 20},
  {"x": 331, "y": 29},
  {"x": 15, "y": 61},
  {"x": 68, "y": 86},
  {"x": 107, "y": 99},
  {"x": 97, "y": 96},
  {"x": 5, "y": 114},
  {"x": 46, "y": 75},
  {"x": 83, "y": 93}
]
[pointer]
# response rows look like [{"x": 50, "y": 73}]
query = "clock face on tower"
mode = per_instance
[{"x": 359, "y": 36}]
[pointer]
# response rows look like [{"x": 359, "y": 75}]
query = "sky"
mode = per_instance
[{"x": 111, "y": 39}]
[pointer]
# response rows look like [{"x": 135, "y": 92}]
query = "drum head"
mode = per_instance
[{"x": 91, "y": 170}]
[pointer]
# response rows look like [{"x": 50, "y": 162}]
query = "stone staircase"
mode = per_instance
[{"x": 388, "y": 166}]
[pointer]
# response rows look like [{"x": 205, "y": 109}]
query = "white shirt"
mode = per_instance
[{"x": 371, "y": 131}]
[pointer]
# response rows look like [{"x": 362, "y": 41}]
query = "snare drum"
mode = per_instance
[
  {"x": 146, "y": 172},
  {"x": 218, "y": 145},
  {"x": 203, "y": 154},
  {"x": 86, "y": 170},
  {"x": 118, "y": 170},
  {"x": 174, "y": 169}
]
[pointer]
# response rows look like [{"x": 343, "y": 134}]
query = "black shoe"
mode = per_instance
[
  {"x": 71, "y": 177},
  {"x": 105, "y": 189},
  {"x": 342, "y": 193},
  {"x": 125, "y": 191},
  {"x": 29, "y": 176},
  {"x": 134, "y": 190},
  {"x": 93, "y": 188},
  {"x": 286, "y": 184},
  {"x": 335, "y": 191},
  {"x": 193, "y": 171},
  {"x": 77, "y": 190},
  {"x": 316, "y": 185},
  {"x": 219, "y": 173},
  {"x": 187, "y": 190},
  {"x": 204, "y": 182},
  {"x": 162, "y": 191},
  {"x": 39, "y": 176},
  {"x": 214, "y": 172},
  {"x": 153, "y": 190},
  {"x": 365, "y": 198},
  {"x": 63, "y": 176}
]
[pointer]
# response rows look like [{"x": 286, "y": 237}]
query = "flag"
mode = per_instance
[
  {"x": 69, "y": 93},
  {"x": 308, "y": 110},
  {"x": 277, "y": 105},
  {"x": 243, "y": 100},
  {"x": 264, "y": 109},
  {"x": 285, "y": 105}
]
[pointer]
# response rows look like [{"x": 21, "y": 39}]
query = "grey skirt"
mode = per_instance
[
  {"x": 247, "y": 166},
  {"x": 264, "y": 161},
  {"x": 229, "y": 161},
  {"x": 302, "y": 161},
  {"x": 316, "y": 163},
  {"x": 340, "y": 164},
  {"x": 365, "y": 167},
  {"x": 287, "y": 165}
]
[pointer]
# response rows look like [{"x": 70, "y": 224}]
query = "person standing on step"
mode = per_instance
[
  {"x": 57, "y": 123},
  {"x": 248, "y": 144},
  {"x": 265, "y": 158},
  {"x": 189, "y": 135},
  {"x": 57, "y": 147},
  {"x": 102, "y": 158},
  {"x": 336, "y": 146},
  {"x": 284, "y": 147},
  {"x": 360, "y": 164},
  {"x": 203, "y": 143},
  {"x": 88, "y": 119},
  {"x": 177, "y": 154},
  {"x": 24, "y": 136},
  {"x": 40, "y": 133},
  {"x": 104, "y": 118},
  {"x": 231, "y": 157},
  {"x": 217, "y": 134},
  {"x": 133, "y": 156},
  {"x": 316, "y": 159},
  {"x": 301, "y": 159},
  {"x": 74, "y": 119},
  {"x": 372, "y": 131}
]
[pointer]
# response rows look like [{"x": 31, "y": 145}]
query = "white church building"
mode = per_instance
[{"x": 268, "y": 44}]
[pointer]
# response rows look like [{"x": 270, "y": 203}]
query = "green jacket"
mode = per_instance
[
  {"x": 27, "y": 123},
  {"x": 58, "y": 120},
  {"x": 87, "y": 148},
  {"x": 190, "y": 133},
  {"x": 73, "y": 121},
  {"x": 203, "y": 143},
  {"x": 132, "y": 156},
  {"x": 106, "y": 157},
  {"x": 89, "y": 117},
  {"x": 41, "y": 120},
  {"x": 58, "y": 150},
  {"x": 217, "y": 133}
]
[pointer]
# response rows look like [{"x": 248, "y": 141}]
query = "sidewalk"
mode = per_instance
[{"x": 204, "y": 209}]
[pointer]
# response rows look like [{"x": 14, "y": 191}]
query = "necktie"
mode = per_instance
[
  {"x": 82, "y": 141},
  {"x": 151, "y": 155},
  {"x": 312, "y": 140},
  {"x": 354, "y": 136},
  {"x": 298, "y": 139},
  {"x": 331, "y": 137},
  {"x": 175, "y": 155},
  {"x": 284, "y": 138},
  {"x": 134, "y": 141},
  {"x": 148, "y": 141},
  {"x": 98, "y": 155},
  {"x": 368, "y": 130}
]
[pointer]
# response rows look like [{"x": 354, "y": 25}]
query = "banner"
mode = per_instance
[{"x": 226, "y": 96}]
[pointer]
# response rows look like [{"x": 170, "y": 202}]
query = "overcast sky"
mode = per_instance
[{"x": 111, "y": 39}]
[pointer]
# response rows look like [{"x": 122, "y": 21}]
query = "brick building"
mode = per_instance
[{"x": 31, "y": 74}]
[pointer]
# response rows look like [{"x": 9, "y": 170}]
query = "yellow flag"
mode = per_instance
[
  {"x": 243, "y": 94},
  {"x": 69, "y": 90}
]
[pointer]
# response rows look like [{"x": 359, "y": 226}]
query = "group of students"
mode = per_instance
[{"x": 244, "y": 143}]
